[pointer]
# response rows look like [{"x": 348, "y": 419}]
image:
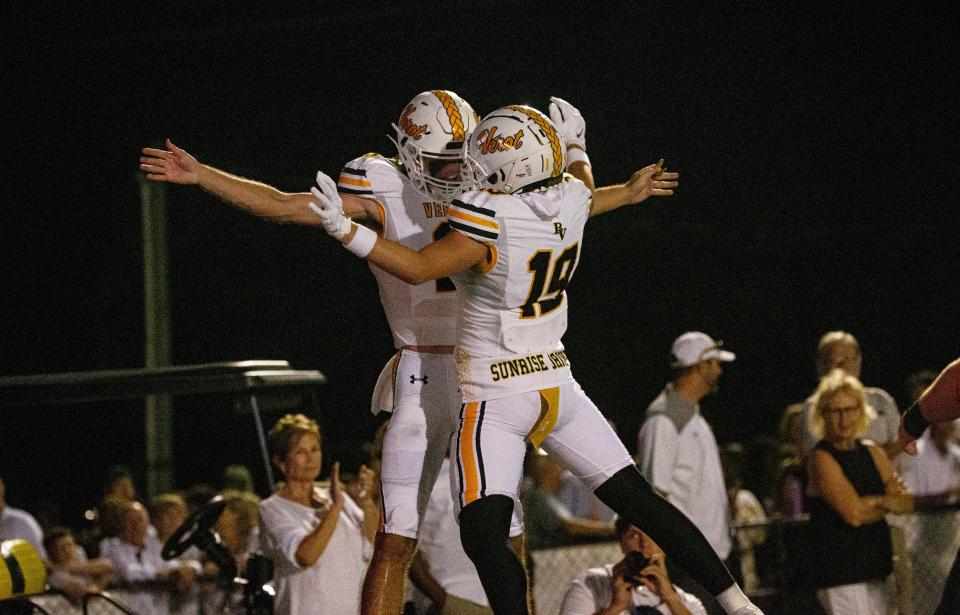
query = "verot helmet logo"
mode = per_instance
[
  {"x": 413, "y": 130},
  {"x": 492, "y": 142}
]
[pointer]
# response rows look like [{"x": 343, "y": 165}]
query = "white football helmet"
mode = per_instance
[
  {"x": 516, "y": 149},
  {"x": 431, "y": 132}
]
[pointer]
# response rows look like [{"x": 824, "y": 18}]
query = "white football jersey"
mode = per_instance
[
  {"x": 513, "y": 309},
  {"x": 424, "y": 314}
]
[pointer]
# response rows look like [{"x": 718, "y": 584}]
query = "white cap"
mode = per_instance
[{"x": 694, "y": 346}]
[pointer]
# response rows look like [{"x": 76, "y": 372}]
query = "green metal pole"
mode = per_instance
[{"x": 159, "y": 408}]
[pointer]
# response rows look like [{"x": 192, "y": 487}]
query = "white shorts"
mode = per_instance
[
  {"x": 426, "y": 398},
  {"x": 491, "y": 440}
]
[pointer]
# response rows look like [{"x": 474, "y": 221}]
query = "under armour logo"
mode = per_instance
[
  {"x": 559, "y": 230},
  {"x": 415, "y": 379}
]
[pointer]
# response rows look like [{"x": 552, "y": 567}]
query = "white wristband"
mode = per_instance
[
  {"x": 574, "y": 154},
  {"x": 363, "y": 241}
]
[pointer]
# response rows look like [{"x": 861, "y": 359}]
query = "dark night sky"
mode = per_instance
[{"x": 818, "y": 158}]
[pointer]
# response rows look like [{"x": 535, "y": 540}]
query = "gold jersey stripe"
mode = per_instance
[
  {"x": 462, "y": 215},
  {"x": 468, "y": 456},
  {"x": 353, "y": 181}
]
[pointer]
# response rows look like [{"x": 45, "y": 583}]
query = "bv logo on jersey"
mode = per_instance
[
  {"x": 415, "y": 379},
  {"x": 413, "y": 130},
  {"x": 492, "y": 142},
  {"x": 558, "y": 229}
]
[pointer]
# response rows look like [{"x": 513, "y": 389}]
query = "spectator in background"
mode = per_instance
[
  {"x": 136, "y": 560},
  {"x": 198, "y": 495},
  {"x": 933, "y": 475},
  {"x": 792, "y": 427},
  {"x": 918, "y": 382},
  {"x": 790, "y": 482},
  {"x": 677, "y": 451},
  {"x": 237, "y": 477},
  {"x": 852, "y": 486},
  {"x": 580, "y": 500},
  {"x": 320, "y": 540},
  {"x": 70, "y": 570},
  {"x": 939, "y": 403},
  {"x": 238, "y": 525},
  {"x": 168, "y": 511},
  {"x": 238, "y": 529},
  {"x": 17, "y": 523},
  {"x": 118, "y": 490},
  {"x": 840, "y": 350},
  {"x": 547, "y": 522},
  {"x": 354, "y": 457},
  {"x": 746, "y": 510},
  {"x": 614, "y": 589},
  {"x": 118, "y": 483}
]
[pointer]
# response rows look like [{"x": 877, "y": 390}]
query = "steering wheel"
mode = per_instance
[{"x": 197, "y": 531}]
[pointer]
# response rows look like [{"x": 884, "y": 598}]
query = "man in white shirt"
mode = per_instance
[
  {"x": 136, "y": 560},
  {"x": 17, "y": 523},
  {"x": 676, "y": 449},
  {"x": 935, "y": 470},
  {"x": 614, "y": 589}
]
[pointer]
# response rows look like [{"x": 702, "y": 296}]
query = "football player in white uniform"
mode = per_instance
[
  {"x": 513, "y": 249},
  {"x": 403, "y": 200}
]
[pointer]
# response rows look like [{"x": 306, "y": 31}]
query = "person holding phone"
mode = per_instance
[{"x": 636, "y": 585}]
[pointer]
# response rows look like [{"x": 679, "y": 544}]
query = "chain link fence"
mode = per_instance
[{"x": 924, "y": 547}]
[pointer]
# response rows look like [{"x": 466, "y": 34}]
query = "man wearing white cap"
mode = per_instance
[{"x": 677, "y": 451}]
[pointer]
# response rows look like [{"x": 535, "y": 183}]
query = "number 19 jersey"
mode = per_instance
[{"x": 513, "y": 307}]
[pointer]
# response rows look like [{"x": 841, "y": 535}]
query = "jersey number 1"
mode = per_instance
[{"x": 539, "y": 266}]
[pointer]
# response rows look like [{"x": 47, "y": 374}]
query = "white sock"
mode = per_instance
[{"x": 732, "y": 599}]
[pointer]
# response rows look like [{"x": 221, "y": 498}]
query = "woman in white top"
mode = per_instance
[{"x": 318, "y": 539}]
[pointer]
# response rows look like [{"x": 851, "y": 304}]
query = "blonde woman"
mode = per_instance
[
  {"x": 852, "y": 486},
  {"x": 320, "y": 540}
]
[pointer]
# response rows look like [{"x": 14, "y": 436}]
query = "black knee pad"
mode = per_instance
[{"x": 485, "y": 525}]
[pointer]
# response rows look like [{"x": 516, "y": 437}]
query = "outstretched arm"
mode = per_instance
[
  {"x": 938, "y": 404},
  {"x": 452, "y": 253},
  {"x": 651, "y": 180},
  {"x": 176, "y": 166}
]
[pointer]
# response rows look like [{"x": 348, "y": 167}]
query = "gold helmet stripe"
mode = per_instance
[
  {"x": 548, "y": 128},
  {"x": 453, "y": 113}
]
